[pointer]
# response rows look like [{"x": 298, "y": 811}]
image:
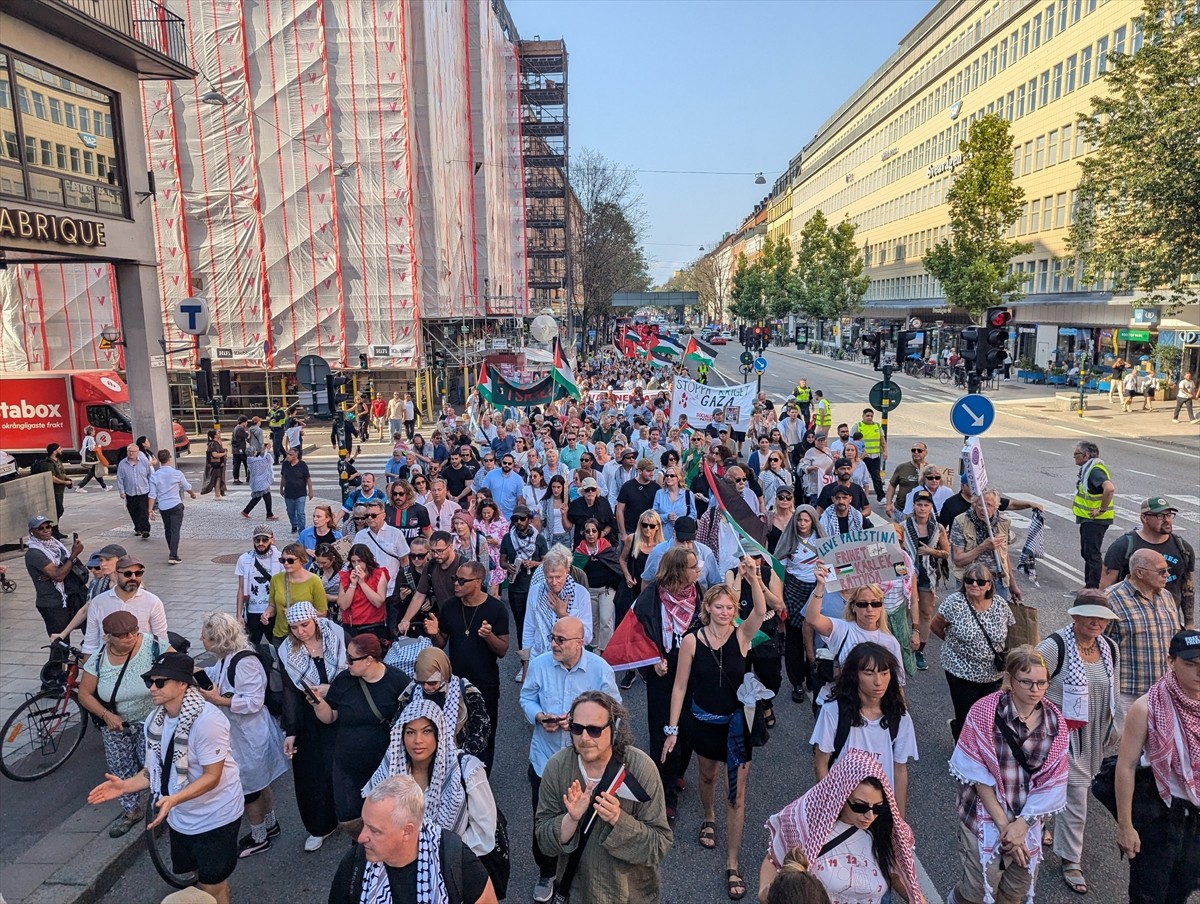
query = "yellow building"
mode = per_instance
[{"x": 887, "y": 156}]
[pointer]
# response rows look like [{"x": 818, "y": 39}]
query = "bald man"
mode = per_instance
[{"x": 555, "y": 678}]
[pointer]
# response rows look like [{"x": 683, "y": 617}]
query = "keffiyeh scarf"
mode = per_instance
[
  {"x": 302, "y": 667},
  {"x": 431, "y": 887},
  {"x": 1075, "y": 677},
  {"x": 928, "y": 564},
  {"x": 57, "y": 553},
  {"x": 191, "y": 707},
  {"x": 1173, "y": 728},
  {"x": 543, "y": 598},
  {"x": 451, "y": 704},
  {"x": 679, "y": 608},
  {"x": 976, "y": 761},
  {"x": 829, "y": 521},
  {"x": 807, "y": 822}
]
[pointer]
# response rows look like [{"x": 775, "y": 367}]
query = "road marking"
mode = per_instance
[
  {"x": 1127, "y": 442},
  {"x": 1007, "y": 443},
  {"x": 1143, "y": 473},
  {"x": 1048, "y": 452}
]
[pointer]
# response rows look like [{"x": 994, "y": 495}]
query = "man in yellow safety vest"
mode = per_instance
[
  {"x": 1092, "y": 508},
  {"x": 874, "y": 448},
  {"x": 803, "y": 397},
  {"x": 823, "y": 413}
]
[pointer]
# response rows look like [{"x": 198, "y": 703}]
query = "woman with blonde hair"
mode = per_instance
[
  {"x": 673, "y": 501},
  {"x": 322, "y": 530},
  {"x": 237, "y": 683}
]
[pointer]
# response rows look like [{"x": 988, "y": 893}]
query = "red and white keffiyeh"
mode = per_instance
[
  {"x": 975, "y": 761},
  {"x": 1173, "y": 722},
  {"x": 807, "y": 822}
]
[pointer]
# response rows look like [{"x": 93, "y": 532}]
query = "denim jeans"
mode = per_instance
[{"x": 295, "y": 512}]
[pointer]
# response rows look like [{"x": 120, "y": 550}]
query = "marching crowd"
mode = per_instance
[{"x": 365, "y": 654}]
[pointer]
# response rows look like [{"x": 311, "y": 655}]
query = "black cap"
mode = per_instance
[
  {"x": 1185, "y": 645},
  {"x": 177, "y": 666},
  {"x": 922, "y": 496},
  {"x": 839, "y": 490},
  {"x": 843, "y": 463},
  {"x": 685, "y": 528}
]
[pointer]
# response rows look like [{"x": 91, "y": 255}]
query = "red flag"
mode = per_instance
[{"x": 629, "y": 647}]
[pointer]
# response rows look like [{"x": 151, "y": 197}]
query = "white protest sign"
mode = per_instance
[
  {"x": 862, "y": 557},
  {"x": 974, "y": 467},
  {"x": 698, "y": 402}
]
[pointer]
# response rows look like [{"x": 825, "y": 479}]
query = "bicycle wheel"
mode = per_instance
[
  {"x": 158, "y": 843},
  {"x": 944, "y": 377},
  {"x": 41, "y": 735}
]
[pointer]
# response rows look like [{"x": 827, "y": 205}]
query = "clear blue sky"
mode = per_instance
[{"x": 710, "y": 85}]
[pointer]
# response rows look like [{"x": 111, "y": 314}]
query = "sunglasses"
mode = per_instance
[
  {"x": 869, "y": 604},
  {"x": 459, "y": 580},
  {"x": 418, "y": 555},
  {"x": 739, "y": 480},
  {"x": 133, "y": 574},
  {"x": 560, "y": 640},
  {"x": 520, "y": 518},
  {"x": 934, "y": 477},
  {"x": 783, "y": 496},
  {"x": 916, "y": 449},
  {"x": 862, "y": 808},
  {"x": 593, "y": 731},
  {"x": 288, "y": 560},
  {"x": 159, "y": 683},
  {"x": 350, "y": 658},
  {"x": 976, "y": 582}
]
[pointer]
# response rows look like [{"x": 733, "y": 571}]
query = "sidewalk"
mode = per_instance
[
  {"x": 1038, "y": 400},
  {"x": 62, "y": 856}
]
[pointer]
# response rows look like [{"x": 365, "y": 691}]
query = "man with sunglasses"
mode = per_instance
[
  {"x": 254, "y": 571},
  {"x": 130, "y": 595},
  {"x": 473, "y": 629},
  {"x": 386, "y": 542},
  {"x": 1157, "y": 533},
  {"x": 366, "y": 492},
  {"x": 635, "y": 497},
  {"x": 554, "y": 680},
  {"x": 407, "y": 581},
  {"x": 436, "y": 586},
  {"x": 505, "y": 485},
  {"x": 904, "y": 479}
]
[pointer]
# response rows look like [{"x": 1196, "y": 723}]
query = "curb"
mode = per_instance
[{"x": 92, "y": 872}]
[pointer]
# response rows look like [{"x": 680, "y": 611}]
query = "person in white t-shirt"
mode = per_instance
[
  {"x": 866, "y": 711},
  {"x": 194, "y": 780},
  {"x": 254, "y": 571},
  {"x": 863, "y": 621}
]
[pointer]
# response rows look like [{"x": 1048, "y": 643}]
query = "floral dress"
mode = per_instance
[{"x": 494, "y": 530}]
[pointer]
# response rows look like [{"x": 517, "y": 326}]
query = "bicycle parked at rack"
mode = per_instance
[{"x": 49, "y": 726}]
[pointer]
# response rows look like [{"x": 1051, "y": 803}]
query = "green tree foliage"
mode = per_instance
[
  {"x": 1138, "y": 219},
  {"x": 747, "y": 295},
  {"x": 972, "y": 265},
  {"x": 778, "y": 278},
  {"x": 828, "y": 278}
]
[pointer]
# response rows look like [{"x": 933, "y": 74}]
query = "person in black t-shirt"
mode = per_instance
[
  {"x": 473, "y": 629},
  {"x": 395, "y": 852},
  {"x": 636, "y": 496},
  {"x": 403, "y": 513},
  {"x": 842, "y": 469},
  {"x": 457, "y": 475}
]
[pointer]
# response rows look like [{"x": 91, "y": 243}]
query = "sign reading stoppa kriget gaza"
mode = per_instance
[
  {"x": 699, "y": 402},
  {"x": 862, "y": 557}
]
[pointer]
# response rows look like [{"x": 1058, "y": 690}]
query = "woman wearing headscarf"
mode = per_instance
[
  {"x": 1084, "y": 669},
  {"x": 361, "y": 701},
  {"x": 849, "y": 827},
  {"x": 461, "y": 702},
  {"x": 313, "y": 654},
  {"x": 1011, "y": 758},
  {"x": 598, "y": 559},
  {"x": 797, "y": 550},
  {"x": 458, "y": 797}
]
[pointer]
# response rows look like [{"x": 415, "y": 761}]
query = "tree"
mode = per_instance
[
  {"x": 972, "y": 265},
  {"x": 1138, "y": 217},
  {"x": 778, "y": 278},
  {"x": 611, "y": 257},
  {"x": 828, "y": 276},
  {"x": 706, "y": 277},
  {"x": 747, "y": 295}
]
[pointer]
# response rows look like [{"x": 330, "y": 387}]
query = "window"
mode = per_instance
[
  {"x": 46, "y": 153},
  {"x": 1102, "y": 55},
  {"x": 1076, "y": 10},
  {"x": 1003, "y": 54},
  {"x": 1056, "y": 84},
  {"x": 1071, "y": 62},
  {"x": 1064, "y": 150},
  {"x": 1062, "y": 15},
  {"x": 1012, "y": 49},
  {"x": 1037, "y": 31},
  {"x": 55, "y": 111},
  {"x": 39, "y": 105},
  {"x": 1027, "y": 167},
  {"x": 1020, "y": 101},
  {"x": 1016, "y": 161},
  {"x": 1047, "y": 210},
  {"x": 1025, "y": 39},
  {"x": 1119, "y": 41},
  {"x": 1135, "y": 43},
  {"x": 75, "y": 165},
  {"x": 1031, "y": 95},
  {"x": 992, "y": 63},
  {"x": 10, "y": 145},
  {"x": 1042, "y": 267},
  {"x": 1074, "y": 208},
  {"x": 69, "y": 109},
  {"x": 1009, "y": 106},
  {"x": 1056, "y": 275},
  {"x": 1052, "y": 149},
  {"x": 1049, "y": 21},
  {"x": 60, "y": 156},
  {"x": 89, "y": 165},
  {"x": 102, "y": 170},
  {"x": 1039, "y": 155},
  {"x": 1060, "y": 210},
  {"x": 1044, "y": 96},
  {"x": 1035, "y": 216},
  {"x": 23, "y": 99},
  {"x": 31, "y": 154},
  {"x": 1079, "y": 146},
  {"x": 1085, "y": 66},
  {"x": 1023, "y": 220},
  {"x": 85, "y": 120}
]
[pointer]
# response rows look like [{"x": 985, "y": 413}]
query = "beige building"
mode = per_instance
[{"x": 885, "y": 159}]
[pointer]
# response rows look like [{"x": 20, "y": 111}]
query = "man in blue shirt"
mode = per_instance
[
  {"x": 368, "y": 492},
  {"x": 685, "y": 536},
  {"x": 551, "y": 685},
  {"x": 133, "y": 483},
  {"x": 506, "y": 487},
  {"x": 167, "y": 486}
]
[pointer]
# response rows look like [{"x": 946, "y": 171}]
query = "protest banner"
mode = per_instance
[
  {"x": 861, "y": 557},
  {"x": 698, "y": 402}
]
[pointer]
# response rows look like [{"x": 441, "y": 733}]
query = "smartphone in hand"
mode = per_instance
[{"x": 310, "y": 693}]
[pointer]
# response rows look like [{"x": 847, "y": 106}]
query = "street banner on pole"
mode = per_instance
[
  {"x": 699, "y": 402},
  {"x": 861, "y": 557},
  {"x": 974, "y": 468}
]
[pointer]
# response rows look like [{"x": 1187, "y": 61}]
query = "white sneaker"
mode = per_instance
[
  {"x": 105, "y": 488},
  {"x": 313, "y": 843},
  {"x": 79, "y": 490}
]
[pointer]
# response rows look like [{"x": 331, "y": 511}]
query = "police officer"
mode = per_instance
[
  {"x": 874, "y": 448},
  {"x": 803, "y": 397},
  {"x": 277, "y": 420},
  {"x": 1092, "y": 507},
  {"x": 822, "y": 413}
]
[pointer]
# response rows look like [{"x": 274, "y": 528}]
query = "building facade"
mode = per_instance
[{"x": 886, "y": 158}]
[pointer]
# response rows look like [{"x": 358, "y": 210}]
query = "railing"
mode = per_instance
[{"x": 145, "y": 21}]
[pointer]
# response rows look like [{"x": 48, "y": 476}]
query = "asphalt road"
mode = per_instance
[{"x": 1028, "y": 456}]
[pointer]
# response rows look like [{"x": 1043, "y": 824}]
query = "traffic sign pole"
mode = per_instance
[{"x": 883, "y": 421}]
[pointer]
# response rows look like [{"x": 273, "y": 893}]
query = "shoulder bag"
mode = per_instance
[{"x": 998, "y": 656}]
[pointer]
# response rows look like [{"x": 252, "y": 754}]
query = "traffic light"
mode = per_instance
[
  {"x": 870, "y": 347},
  {"x": 336, "y": 391},
  {"x": 203, "y": 380},
  {"x": 901, "y": 347},
  {"x": 993, "y": 340},
  {"x": 758, "y": 337},
  {"x": 439, "y": 360},
  {"x": 968, "y": 348},
  {"x": 362, "y": 360}
]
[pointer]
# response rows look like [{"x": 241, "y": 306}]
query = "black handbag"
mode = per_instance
[{"x": 1146, "y": 801}]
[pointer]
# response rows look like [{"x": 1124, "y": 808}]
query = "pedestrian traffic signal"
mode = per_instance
[
  {"x": 993, "y": 339},
  {"x": 968, "y": 348},
  {"x": 203, "y": 380},
  {"x": 439, "y": 360},
  {"x": 870, "y": 347},
  {"x": 336, "y": 390}
]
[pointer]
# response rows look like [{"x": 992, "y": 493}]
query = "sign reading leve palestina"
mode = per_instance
[
  {"x": 699, "y": 402},
  {"x": 862, "y": 557}
]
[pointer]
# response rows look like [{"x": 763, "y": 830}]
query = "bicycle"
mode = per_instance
[{"x": 49, "y": 726}]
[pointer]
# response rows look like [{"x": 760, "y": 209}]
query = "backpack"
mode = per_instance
[
  {"x": 41, "y": 466},
  {"x": 1061, "y": 645},
  {"x": 273, "y": 698},
  {"x": 842, "y": 733}
]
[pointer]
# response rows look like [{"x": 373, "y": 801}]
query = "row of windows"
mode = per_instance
[
  {"x": 1044, "y": 275},
  {"x": 95, "y": 122},
  {"x": 1045, "y": 214},
  {"x": 40, "y": 152}
]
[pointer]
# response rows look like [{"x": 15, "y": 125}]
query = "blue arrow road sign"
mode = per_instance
[
  {"x": 760, "y": 364},
  {"x": 972, "y": 415}
]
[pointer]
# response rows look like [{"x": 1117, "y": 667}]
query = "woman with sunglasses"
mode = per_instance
[
  {"x": 862, "y": 620},
  {"x": 458, "y": 797},
  {"x": 597, "y": 557},
  {"x": 927, "y": 543},
  {"x": 780, "y": 514},
  {"x": 934, "y": 482},
  {"x": 111, "y": 690},
  {"x": 292, "y": 585},
  {"x": 712, "y": 665},
  {"x": 973, "y": 624},
  {"x": 774, "y": 477},
  {"x": 673, "y": 501},
  {"x": 322, "y": 530},
  {"x": 362, "y": 600},
  {"x": 816, "y": 467},
  {"x": 554, "y": 513},
  {"x": 635, "y": 550},
  {"x": 313, "y": 655},
  {"x": 850, "y": 829},
  {"x": 420, "y": 489},
  {"x": 867, "y": 712},
  {"x": 1013, "y": 764},
  {"x": 362, "y": 701},
  {"x": 462, "y": 704},
  {"x": 520, "y": 453}
]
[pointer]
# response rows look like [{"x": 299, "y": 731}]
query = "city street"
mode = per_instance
[{"x": 1028, "y": 454}]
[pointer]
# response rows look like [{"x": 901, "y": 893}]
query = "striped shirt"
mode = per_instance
[{"x": 1143, "y": 632}]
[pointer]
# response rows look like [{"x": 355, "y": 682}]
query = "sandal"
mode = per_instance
[
  {"x": 735, "y": 884},
  {"x": 1047, "y": 838},
  {"x": 769, "y": 717},
  {"x": 1073, "y": 877},
  {"x": 708, "y": 835}
]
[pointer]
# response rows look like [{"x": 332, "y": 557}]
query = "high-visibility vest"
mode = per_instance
[
  {"x": 1086, "y": 503},
  {"x": 823, "y": 416},
  {"x": 278, "y": 417},
  {"x": 803, "y": 395},
  {"x": 872, "y": 434}
]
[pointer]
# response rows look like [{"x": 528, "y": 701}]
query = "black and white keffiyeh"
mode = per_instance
[
  {"x": 431, "y": 887},
  {"x": 302, "y": 667},
  {"x": 56, "y": 552},
  {"x": 1075, "y": 676},
  {"x": 829, "y": 521},
  {"x": 193, "y": 704}
]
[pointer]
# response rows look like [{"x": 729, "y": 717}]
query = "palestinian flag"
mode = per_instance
[
  {"x": 663, "y": 351},
  {"x": 629, "y": 344},
  {"x": 630, "y": 647},
  {"x": 485, "y": 384},
  {"x": 694, "y": 354},
  {"x": 669, "y": 344},
  {"x": 744, "y": 523},
  {"x": 564, "y": 376}
]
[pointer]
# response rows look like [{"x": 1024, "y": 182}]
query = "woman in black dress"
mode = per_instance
[
  {"x": 712, "y": 664},
  {"x": 362, "y": 701},
  {"x": 215, "y": 454},
  {"x": 765, "y": 659}
]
